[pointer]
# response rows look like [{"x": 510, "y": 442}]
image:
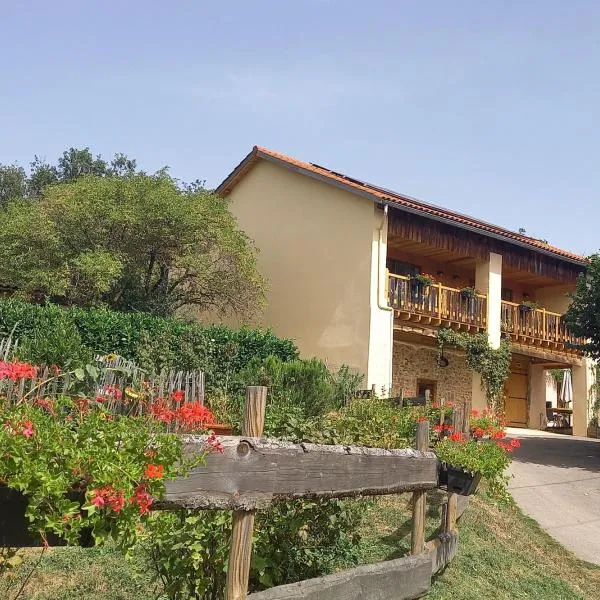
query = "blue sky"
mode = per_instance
[{"x": 489, "y": 108}]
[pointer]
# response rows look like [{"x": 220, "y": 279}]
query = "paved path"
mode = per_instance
[{"x": 557, "y": 482}]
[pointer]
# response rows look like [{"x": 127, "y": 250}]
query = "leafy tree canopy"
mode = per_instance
[
  {"x": 583, "y": 316},
  {"x": 104, "y": 234},
  {"x": 16, "y": 183}
]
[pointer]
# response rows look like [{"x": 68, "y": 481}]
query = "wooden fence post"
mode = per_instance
[
  {"x": 460, "y": 422},
  {"x": 420, "y": 496},
  {"x": 451, "y": 513},
  {"x": 240, "y": 551}
]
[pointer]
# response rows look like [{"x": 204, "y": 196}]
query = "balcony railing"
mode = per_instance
[
  {"x": 436, "y": 303},
  {"x": 536, "y": 325},
  {"x": 440, "y": 305}
]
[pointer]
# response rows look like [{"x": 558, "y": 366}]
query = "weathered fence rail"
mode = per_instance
[{"x": 252, "y": 472}]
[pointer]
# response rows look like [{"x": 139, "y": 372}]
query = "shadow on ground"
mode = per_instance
[{"x": 559, "y": 451}]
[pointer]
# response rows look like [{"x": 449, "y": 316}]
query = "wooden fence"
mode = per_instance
[
  {"x": 114, "y": 374},
  {"x": 252, "y": 472}
]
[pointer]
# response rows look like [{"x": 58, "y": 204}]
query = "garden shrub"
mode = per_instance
[
  {"x": 307, "y": 386},
  {"x": 375, "y": 422},
  {"x": 54, "y": 335}
]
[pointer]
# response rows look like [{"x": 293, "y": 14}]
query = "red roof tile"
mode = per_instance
[{"x": 387, "y": 196}]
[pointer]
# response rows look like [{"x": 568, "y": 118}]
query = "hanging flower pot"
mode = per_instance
[
  {"x": 14, "y": 526},
  {"x": 467, "y": 293},
  {"x": 527, "y": 306},
  {"x": 423, "y": 279},
  {"x": 462, "y": 482}
]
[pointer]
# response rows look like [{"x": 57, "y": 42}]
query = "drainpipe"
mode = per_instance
[
  {"x": 384, "y": 222},
  {"x": 380, "y": 292}
]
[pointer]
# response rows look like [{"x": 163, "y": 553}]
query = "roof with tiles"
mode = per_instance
[{"x": 389, "y": 197}]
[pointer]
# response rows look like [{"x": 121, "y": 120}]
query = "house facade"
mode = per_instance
[{"x": 364, "y": 276}]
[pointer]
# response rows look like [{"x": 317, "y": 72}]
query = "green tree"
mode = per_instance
[
  {"x": 16, "y": 183},
  {"x": 13, "y": 183},
  {"x": 583, "y": 316},
  {"x": 134, "y": 243}
]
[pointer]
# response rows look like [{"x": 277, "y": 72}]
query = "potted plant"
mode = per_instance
[
  {"x": 527, "y": 306},
  {"x": 467, "y": 293},
  {"x": 463, "y": 462},
  {"x": 423, "y": 279},
  {"x": 418, "y": 284}
]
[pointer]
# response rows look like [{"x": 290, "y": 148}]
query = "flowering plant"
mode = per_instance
[
  {"x": 528, "y": 305},
  {"x": 491, "y": 458},
  {"x": 469, "y": 292},
  {"x": 487, "y": 424},
  {"x": 84, "y": 468},
  {"x": 424, "y": 278}
]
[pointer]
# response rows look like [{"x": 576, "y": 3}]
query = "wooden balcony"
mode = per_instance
[
  {"x": 436, "y": 304},
  {"x": 537, "y": 327},
  {"x": 440, "y": 306}
]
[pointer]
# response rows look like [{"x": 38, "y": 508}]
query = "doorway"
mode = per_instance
[
  {"x": 516, "y": 391},
  {"x": 426, "y": 385}
]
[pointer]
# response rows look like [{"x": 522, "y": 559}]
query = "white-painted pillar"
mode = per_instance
[
  {"x": 584, "y": 377},
  {"x": 381, "y": 330},
  {"x": 538, "y": 387},
  {"x": 488, "y": 280}
]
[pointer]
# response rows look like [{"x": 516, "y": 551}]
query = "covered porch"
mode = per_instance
[{"x": 534, "y": 397}]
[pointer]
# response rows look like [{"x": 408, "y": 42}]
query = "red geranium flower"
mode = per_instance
[
  {"x": 178, "y": 395},
  {"x": 17, "y": 370},
  {"x": 27, "y": 430},
  {"x": 154, "y": 471},
  {"x": 107, "y": 496},
  {"x": 142, "y": 499},
  {"x": 215, "y": 444}
]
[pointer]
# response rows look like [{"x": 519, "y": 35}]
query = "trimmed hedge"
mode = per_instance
[{"x": 50, "y": 334}]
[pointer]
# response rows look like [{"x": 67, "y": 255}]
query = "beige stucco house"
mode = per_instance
[{"x": 341, "y": 256}]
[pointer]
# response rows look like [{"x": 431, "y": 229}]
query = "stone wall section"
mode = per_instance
[{"x": 410, "y": 363}]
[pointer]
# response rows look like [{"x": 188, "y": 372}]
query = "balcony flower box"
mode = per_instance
[{"x": 220, "y": 429}]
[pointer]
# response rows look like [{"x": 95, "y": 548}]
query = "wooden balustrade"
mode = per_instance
[
  {"x": 436, "y": 303},
  {"x": 536, "y": 325},
  {"x": 444, "y": 306}
]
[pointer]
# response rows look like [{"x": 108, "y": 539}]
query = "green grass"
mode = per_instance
[
  {"x": 507, "y": 556},
  {"x": 502, "y": 555},
  {"x": 79, "y": 574}
]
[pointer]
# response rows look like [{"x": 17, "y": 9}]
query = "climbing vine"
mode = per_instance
[{"x": 493, "y": 364}]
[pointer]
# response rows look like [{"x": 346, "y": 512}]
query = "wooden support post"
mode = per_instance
[
  {"x": 451, "y": 512},
  {"x": 240, "y": 551},
  {"x": 444, "y": 516},
  {"x": 420, "y": 497}
]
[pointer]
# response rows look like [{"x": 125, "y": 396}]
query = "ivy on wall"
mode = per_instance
[{"x": 493, "y": 364}]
